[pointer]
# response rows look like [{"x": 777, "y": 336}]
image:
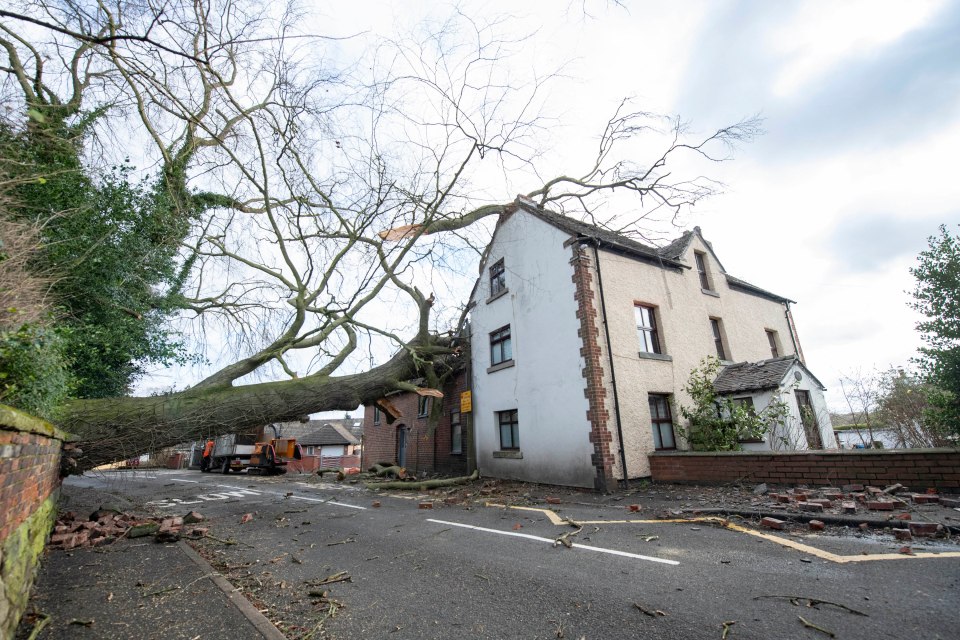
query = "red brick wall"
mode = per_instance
[
  {"x": 595, "y": 392},
  {"x": 915, "y": 468},
  {"x": 425, "y": 451},
  {"x": 29, "y": 473}
]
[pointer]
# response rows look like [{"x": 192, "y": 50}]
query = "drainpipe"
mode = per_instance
[
  {"x": 613, "y": 372},
  {"x": 793, "y": 332}
]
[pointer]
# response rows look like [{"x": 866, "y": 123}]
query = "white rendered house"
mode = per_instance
[{"x": 582, "y": 340}]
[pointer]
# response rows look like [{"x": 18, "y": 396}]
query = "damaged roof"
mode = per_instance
[{"x": 757, "y": 376}]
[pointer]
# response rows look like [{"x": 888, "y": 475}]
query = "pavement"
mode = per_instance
[{"x": 483, "y": 562}]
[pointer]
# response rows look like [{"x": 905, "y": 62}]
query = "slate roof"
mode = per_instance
[
  {"x": 329, "y": 434},
  {"x": 757, "y": 376}
]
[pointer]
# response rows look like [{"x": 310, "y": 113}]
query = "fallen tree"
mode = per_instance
[{"x": 424, "y": 485}]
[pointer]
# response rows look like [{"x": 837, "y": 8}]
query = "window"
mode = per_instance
[
  {"x": 456, "y": 433},
  {"x": 702, "y": 270},
  {"x": 647, "y": 329},
  {"x": 661, "y": 422},
  {"x": 772, "y": 339},
  {"x": 747, "y": 403},
  {"x": 376, "y": 414},
  {"x": 509, "y": 430},
  {"x": 718, "y": 337},
  {"x": 498, "y": 280},
  {"x": 423, "y": 406},
  {"x": 501, "y": 348}
]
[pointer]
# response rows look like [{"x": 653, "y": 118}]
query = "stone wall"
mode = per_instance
[
  {"x": 29, "y": 485},
  {"x": 916, "y": 468}
]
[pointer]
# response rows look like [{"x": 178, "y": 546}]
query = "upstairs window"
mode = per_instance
[
  {"x": 509, "y": 430},
  {"x": 376, "y": 414},
  {"x": 699, "y": 256},
  {"x": 661, "y": 422},
  {"x": 498, "y": 279},
  {"x": 423, "y": 406},
  {"x": 501, "y": 347},
  {"x": 772, "y": 339},
  {"x": 456, "y": 433},
  {"x": 647, "y": 329},
  {"x": 717, "y": 329}
]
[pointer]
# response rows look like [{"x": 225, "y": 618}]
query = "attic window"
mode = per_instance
[
  {"x": 498, "y": 279},
  {"x": 702, "y": 271}
]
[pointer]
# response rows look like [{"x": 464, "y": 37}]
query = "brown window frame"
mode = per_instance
[
  {"x": 498, "y": 278},
  {"x": 499, "y": 338},
  {"x": 657, "y": 422},
  {"x": 700, "y": 258},
  {"x": 717, "y": 329},
  {"x": 647, "y": 333}
]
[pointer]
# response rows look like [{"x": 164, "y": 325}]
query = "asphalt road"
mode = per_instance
[{"x": 475, "y": 571}]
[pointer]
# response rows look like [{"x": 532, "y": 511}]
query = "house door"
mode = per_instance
[
  {"x": 402, "y": 446},
  {"x": 809, "y": 419}
]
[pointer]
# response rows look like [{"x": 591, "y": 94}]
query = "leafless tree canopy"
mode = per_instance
[{"x": 329, "y": 177}]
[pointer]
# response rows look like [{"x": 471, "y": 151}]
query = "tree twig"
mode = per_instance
[{"x": 810, "y": 625}]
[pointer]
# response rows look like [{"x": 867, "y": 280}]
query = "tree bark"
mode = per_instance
[{"x": 113, "y": 429}]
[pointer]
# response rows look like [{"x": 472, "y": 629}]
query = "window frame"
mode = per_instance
[
  {"x": 774, "y": 341},
  {"x": 376, "y": 414},
  {"x": 716, "y": 328},
  {"x": 456, "y": 433},
  {"x": 657, "y": 421},
  {"x": 700, "y": 258},
  {"x": 499, "y": 338},
  {"x": 643, "y": 332},
  {"x": 513, "y": 424},
  {"x": 498, "y": 278},
  {"x": 423, "y": 406}
]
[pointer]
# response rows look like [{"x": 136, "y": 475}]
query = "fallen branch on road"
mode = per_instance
[
  {"x": 810, "y": 625},
  {"x": 813, "y": 602},
  {"x": 426, "y": 484}
]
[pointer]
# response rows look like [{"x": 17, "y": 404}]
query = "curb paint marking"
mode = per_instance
[
  {"x": 797, "y": 546},
  {"x": 527, "y": 536}
]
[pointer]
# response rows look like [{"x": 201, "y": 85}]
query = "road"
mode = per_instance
[{"x": 476, "y": 571}]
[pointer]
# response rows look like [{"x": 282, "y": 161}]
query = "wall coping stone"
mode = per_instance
[
  {"x": 816, "y": 452},
  {"x": 14, "y": 420}
]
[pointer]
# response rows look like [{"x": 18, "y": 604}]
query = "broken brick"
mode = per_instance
[
  {"x": 950, "y": 502},
  {"x": 773, "y": 523},
  {"x": 903, "y": 516},
  {"x": 816, "y": 525},
  {"x": 810, "y": 506},
  {"x": 903, "y": 534},
  {"x": 874, "y": 491},
  {"x": 192, "y": 518},
  {"x": 826, "y": 504},
  {"x": 245, "y": 518},
  {"x": 375, "y": 504},
  {"x": 880, "y": 505},
  {"x": 906, "y": 550},
  {"x": 783, "y": 499},
  {"x": 425, "y": 505},
  {"x": 927, "y": 529},
  {"x": 925, "y": 498},
  {"x": 848, "y": 507},
  {"x": 633, "y": 507},
  {"x": 849, "y": 488},
  {"x": 552, "y": 500}
]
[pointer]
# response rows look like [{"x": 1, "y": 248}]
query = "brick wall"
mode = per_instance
[
  {"x": 598, "y": 415},
  {"x": 915, "y": 468},
  {"x": 29, "y": 480},
  {"x": 425, "y": 451}
]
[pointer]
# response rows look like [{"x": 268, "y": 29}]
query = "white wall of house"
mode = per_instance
[
  {"x": 683, "y": 313},
  {"x": 863, "y": 438},
  {"x": 545, "y": 384}
]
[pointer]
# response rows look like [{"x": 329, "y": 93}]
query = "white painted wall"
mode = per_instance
[{"x": 545, "y": 385}]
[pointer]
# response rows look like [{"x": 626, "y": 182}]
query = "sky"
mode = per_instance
[{"x": 855, "y": 170}]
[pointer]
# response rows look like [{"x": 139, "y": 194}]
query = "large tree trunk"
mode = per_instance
[{"x": 117, "y": 428}]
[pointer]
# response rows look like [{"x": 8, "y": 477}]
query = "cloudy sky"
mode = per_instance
[
  {"x": 861, "y": 108},
  {"x": 857, "y": 168}
]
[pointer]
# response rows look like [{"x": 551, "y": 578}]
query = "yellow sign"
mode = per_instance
[{"x": 466, "y": 402}]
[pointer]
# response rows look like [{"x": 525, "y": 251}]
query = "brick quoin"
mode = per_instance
[
  {"x": 594, "y": 390},
  {"x": 938, "y": 468}
]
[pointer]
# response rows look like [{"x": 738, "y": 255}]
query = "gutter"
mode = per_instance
[
  {"x": 613, "y": 372},
  {"x": 793, "y": 332}
]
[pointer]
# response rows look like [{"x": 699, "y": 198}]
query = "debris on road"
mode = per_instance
[
  {"x": 726, "y": 628},
  {"x": 653, "y": 613},
  {"x": 812, "y": 603},
  {"x": 108, "y": 524},
  {"x": 247, "y": 517},
  {"x": 810, "y": 625}
]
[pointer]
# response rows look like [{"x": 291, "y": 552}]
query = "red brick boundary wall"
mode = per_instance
[
  {"x": 29, "y": 479},
  {"x": 915, "y": 468}
]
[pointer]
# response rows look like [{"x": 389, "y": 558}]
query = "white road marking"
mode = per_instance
[
  {"x": 551, "y": 541},
  {"x": 283, "y": 495},
  {"x": 180, "y": 480}
]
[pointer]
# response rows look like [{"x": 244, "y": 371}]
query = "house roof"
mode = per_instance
[
  {"x": 329, "y": 434},
  {"x": 670, "y": 255},
  {"x": 757, "y": 376}
]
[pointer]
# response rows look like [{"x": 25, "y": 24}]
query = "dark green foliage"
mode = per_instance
[
  {"x": 111, "y": 245},
  {"x": 717, "y": 423},
  {"x": 34, "y": 374},
  {"x": 937, "y": 297}
]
